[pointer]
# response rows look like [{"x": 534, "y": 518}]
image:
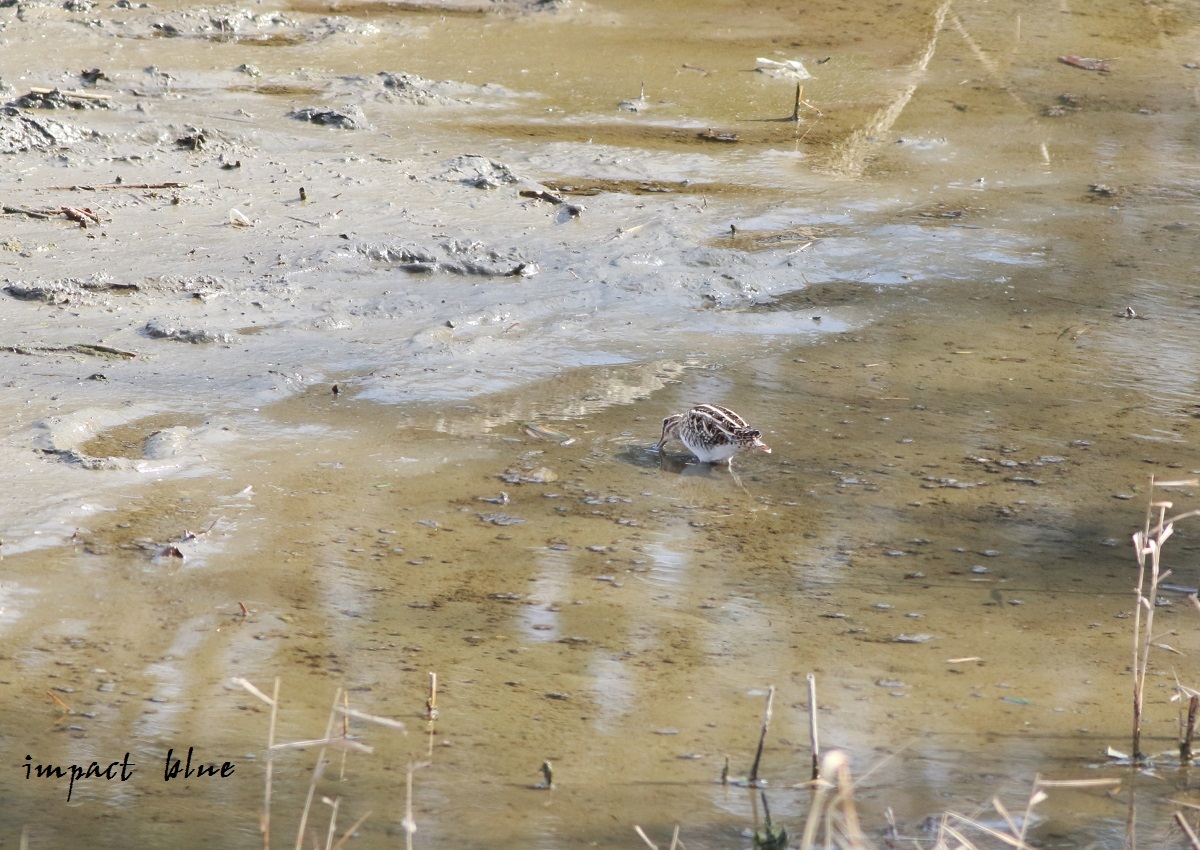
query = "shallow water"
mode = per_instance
[{"x": 955, "y": 297}]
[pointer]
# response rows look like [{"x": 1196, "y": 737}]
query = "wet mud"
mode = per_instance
[{"x": 336, "y": 340}]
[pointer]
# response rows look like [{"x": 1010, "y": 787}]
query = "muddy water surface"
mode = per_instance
[{"x": 956, "y": 296}]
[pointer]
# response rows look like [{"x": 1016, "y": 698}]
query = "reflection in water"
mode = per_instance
[
  {"x": 550, "y": 589},
  {"x": 614, "y": 691},
  {"x": 171, "y": 679},
  {"x": 669, "y": 565}
]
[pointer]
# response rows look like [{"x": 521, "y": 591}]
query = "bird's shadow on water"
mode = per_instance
[{"x": 649, "y": 457}]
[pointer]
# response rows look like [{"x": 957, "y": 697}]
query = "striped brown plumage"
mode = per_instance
[{"x": 714, "y": 434}]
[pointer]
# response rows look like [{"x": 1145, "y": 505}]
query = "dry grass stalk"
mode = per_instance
[
  {"x": 675, "y": 842},
  {"x": 386, "y": 722},
  {"x": 410, "y": 825},
  {"x": 334, "y": 805},
  {"x": 431, "y": 711},
  {"x": 345, "y": 709},
  {"x": 318, "y": 770},
  {"x": 329, "y": 741},
  {"x": 642, "y": 834},
  {"x": 264, "y": 823},
  {"x": 1192, "y": 838},
  {"x": 958, "y": 827},
  {"x": 812, "y": 726},
  {"x": 1148, "y": 544},
  {"x": 350, "y": 832},
  {"x": 762, "y": 736},
  {"x": 833, "y": 815},
  {"x": 833, "y": 822},
  {"x": 1189, "y": 730},
  {"x": 336, "y": 742}
]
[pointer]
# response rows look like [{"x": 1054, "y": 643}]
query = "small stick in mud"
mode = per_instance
[
  {"x": 541, "y": 195},
  {"x": 82, "y": 95},
  {"x": 1085, "y": 63},
  {"x": 762, "y": 736},
  {"x": 812, "y": 726},
  {"x": 81, "y": 214},
  {"x": 25, "y": 211},
  {"x": 431, "y": 701},
  {"x": 1189, "y": 730},
  {"x": 303, "y": 194},
  {"x": 98, "y": 186}
]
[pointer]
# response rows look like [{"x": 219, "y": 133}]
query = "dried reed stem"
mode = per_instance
[
  {"x": 410, "y": 825},
  {"x": 318, "y": 769},
  {"x": 345, "y": 734},
  {"x": 1187, "y": 830},
  {"x": 762, "y": 736},
  {"x": 334, "y": 805},
  {"x": 348, "y": 833},
  {"x": 674, "y": 838},
  {"x": 833, "y": 814},
  {"x": 642, "y": 834},
  {"x": 1147, "y": 544},
  {"x": 812, "y": 726},
  {"x": 264, "y": 823},
  {"x": 270, "y": 778},
  {"x": 1189, "y": 731},
  {"x": 431, "y": 701}
]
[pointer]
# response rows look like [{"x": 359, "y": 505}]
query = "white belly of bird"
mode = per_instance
[{"x": 713, "y": 454}]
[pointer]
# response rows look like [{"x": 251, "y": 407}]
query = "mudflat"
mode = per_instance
[{"x": 336, "y": 339}]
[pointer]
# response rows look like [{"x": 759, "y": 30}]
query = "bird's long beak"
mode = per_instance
[{"x": 762, "y": 447}]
